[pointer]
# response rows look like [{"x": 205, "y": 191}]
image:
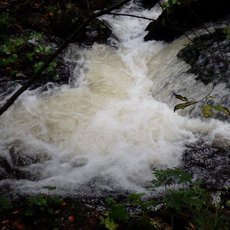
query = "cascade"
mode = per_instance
[{"x": 113, "y": 124}]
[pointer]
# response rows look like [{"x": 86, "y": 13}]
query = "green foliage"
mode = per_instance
[
  {"x": 227, "y": 31},
  {"x": 222, "y": 109},
  {"x": 49, "y": 187},
  {"x": 109, "y": 224},
  {"x": 34, "y": 50},
  {"x": 170, "y": 176},
  {"x": 168, "y": 4},
  {"x": 135, "y": 199},
  {"x": 41, "y": 204},
  {"x": 193, "y": 199},
  {"x": 208, "y": 112},
  {"x": 184, "y": 105},
  {"x": 117, "y": 211},
  {"x": 116, "y": 214},
  {"x": 190, "y": 198},
  {"x": 39, "y": 201},
  {"x": 180, "y": 97},
  {"x": 5, "y": 21},
  {"x": 193, "y": 202},
  {"x": 35, "y": 37},
  {"x": 4, "y": 204},
  {"x": 190, "y": 204},
  {"x": 41, "y": 49},
  {"x": 207, "y": 109}
]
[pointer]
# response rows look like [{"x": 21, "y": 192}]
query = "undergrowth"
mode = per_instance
[{"x": 177, "y": 202}]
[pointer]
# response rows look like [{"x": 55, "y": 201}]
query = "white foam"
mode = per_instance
[{"x": 109, "y": 132}]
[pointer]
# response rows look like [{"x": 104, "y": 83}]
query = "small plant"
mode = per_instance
[
  {"x": 192, "y": 204},
  {"x": 41, "y": 204},
  {"x": 166, "y": 177},
  {"x": 227, "y": 31},
  {"x": 115, "y": 215},
  {"x": 34, "y": 50},
  {"x": 4, "y": 204},
  {"x": 169, "y": 4},
  {"x": 207, "y": 109},
  {"x": 5, "y": 21}
]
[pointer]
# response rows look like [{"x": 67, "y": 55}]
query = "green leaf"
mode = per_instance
[
  {"x": 4, "y": 203},
  {"x": 207, "y": 111},
  {"x": 39, "y": 201},
  {"x": 118, "y": 213},
  {"x": 210, "y": 97},
  {"x": 222, "y": 109},
  {"x": 49, "y": 187},
  {"x": 184, "y": 105},
  {"x": 180, "y": 97},
  {"x": 110, "y": 201},
  {"x": 29, "y": 212},
  {"x": 191, "y": 199},
  {"x": 135, "y": 198},
  {"x": 109, "y": 224},
  {"x": 171, "y": 176},
  {"x": 226, "y": 111}
]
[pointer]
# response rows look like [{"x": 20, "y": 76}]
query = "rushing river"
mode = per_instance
[{"x": 113, "y": 123}]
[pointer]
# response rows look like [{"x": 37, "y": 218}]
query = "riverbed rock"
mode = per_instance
[
  {"x": 148, "y": 4},
  {"x": 209, "y": 57},
  {"x": 208, "y": 163},
  {"x": 180, "y": 18},
  {"x": 22, "y": 157},
  {"x": 4, "y": 168},
  {"x": 22, "y": 162}
]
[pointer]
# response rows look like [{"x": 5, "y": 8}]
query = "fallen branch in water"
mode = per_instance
[
  {"x": 75, "y": 34},
  {"x": 132, "y": 15}
]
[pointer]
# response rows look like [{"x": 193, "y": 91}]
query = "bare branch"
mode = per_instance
[{"x": 131, "y": 15}]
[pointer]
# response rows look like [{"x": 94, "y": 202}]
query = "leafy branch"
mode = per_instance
[{"x": 207, "y": 109}]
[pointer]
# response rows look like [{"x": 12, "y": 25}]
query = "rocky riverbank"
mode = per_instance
[
  {"x": 32, "y": 30},
  {"x": 179, "y": 18}
]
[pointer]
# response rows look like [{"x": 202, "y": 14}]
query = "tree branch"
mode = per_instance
[
  {"x": 75, "y": 34},
  {"x": 131, "y": 15}
]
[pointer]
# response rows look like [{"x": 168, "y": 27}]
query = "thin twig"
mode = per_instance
[{"x": 131, "y": 15}]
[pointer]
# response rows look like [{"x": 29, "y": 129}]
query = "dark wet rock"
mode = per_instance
[
  {"x": 148, "y": 4},
  {"x": 25, "y": 174},
  {"x": 78, "y": 162},
  {"x": 95, "y": 4},
  {"x": 21, "y": 164},
  {"x": 209, "y": 57},
  {"x": 53, "y": 20},
  {"x": 173, "y": 22},
  {"x": 97, "y": 31},
  {"x": 5, "y": 168},
  {"x": 208, "y": 163},
  {"x": 10, "y": 171},
  {"x": 62, "y": 76},
  {"x": 23, "y": 157}
]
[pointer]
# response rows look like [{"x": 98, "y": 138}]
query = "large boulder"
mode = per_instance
[
  {"x": 179, "y": 18},
  {"x": 148, "y": 4},
  {"x": 208, "y": 163},
  {"x": 208, "y": 56}
]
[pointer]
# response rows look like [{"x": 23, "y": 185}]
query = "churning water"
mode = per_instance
[{"x": 113, "y": 124}]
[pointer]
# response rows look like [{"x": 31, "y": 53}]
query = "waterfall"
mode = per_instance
[{"x": 113, "y": 124}]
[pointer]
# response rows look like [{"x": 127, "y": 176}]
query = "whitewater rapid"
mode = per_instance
[{"x": 114, "y": 123}]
